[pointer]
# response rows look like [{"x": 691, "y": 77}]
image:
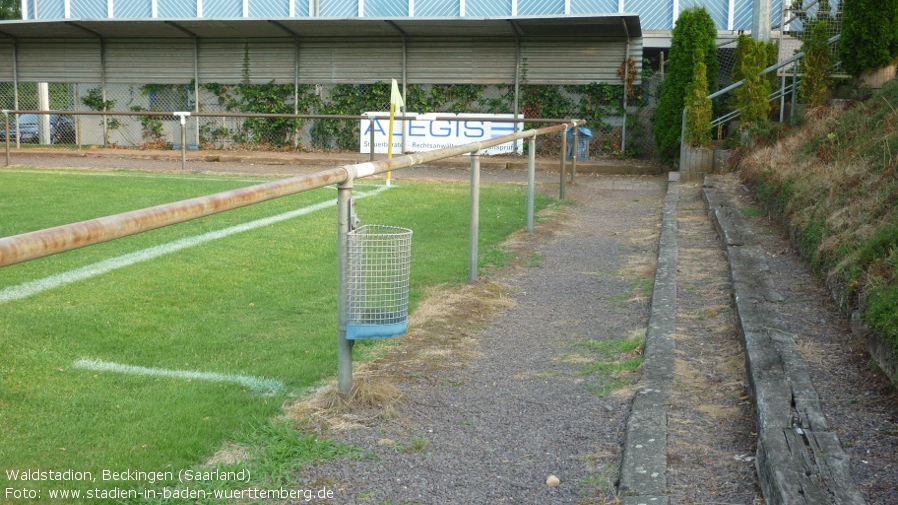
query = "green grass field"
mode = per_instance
[{"x": 261, "y": 303}]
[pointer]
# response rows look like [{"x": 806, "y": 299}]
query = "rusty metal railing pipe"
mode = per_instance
[
  {"x": 42, "y": 243},
  {"x": 38, "y": 244}
]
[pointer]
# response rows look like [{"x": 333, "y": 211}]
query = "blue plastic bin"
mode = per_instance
[{"x": 583, "y": 136}]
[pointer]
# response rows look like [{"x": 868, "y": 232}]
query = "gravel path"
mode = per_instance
[{"x": 527, "y": 407}]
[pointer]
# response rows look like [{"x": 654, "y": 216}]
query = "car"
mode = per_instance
[{"x": 62, "y": 129}]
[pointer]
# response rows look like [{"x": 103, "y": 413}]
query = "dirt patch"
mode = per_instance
[{"x": 711, "y": 444}]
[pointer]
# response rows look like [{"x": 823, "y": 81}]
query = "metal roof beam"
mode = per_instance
[
  {"x": 84, "y": 29},
  {"x": 284, "y": 28},
  {"x": 181, "y": 29}
]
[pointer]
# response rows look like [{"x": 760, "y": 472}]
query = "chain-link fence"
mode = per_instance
[{"x": 601, "y": 104}]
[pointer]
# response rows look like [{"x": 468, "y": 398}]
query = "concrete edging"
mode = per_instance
[
  {"x": 799, "y": 461},
  {"x": 644, "y": 462}
]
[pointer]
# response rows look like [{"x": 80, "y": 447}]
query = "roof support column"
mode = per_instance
[
  {"x": 517, "y": 85},
  {"x": 760, "y": 20},
  {"x": 196, "y": 84},
  {"x": 296, "y": 131},
  {"x": 404, "y": 108},
  {"x": 103, "y": 89},
  {"x": 15, "y": 86},
  {"x": 623, "y": 132}
]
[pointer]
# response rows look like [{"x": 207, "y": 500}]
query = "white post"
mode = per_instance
[{"x": 43, "y": 103}]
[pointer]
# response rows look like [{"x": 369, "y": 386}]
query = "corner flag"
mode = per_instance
[{"x": 396, "y": 96}]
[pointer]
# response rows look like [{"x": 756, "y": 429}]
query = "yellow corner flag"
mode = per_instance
[
  {"x": 396, "y": 102},
  {"x": 396, "y": 96}
]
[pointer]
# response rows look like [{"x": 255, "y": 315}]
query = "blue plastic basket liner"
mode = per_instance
[{"x": 383, "y": 326}]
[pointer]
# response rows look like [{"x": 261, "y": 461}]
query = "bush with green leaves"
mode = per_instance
[
  {"x": 869, "y": 34},
  {"x": 751, "y": 99},
  {"x": 818, "y": 61},
  {"x": 698, "y": 106},
  {"x": 694, "y": 29},
  {"x": 10, "y": 9}
]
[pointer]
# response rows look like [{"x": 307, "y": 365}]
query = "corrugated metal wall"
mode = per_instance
[
  {"x": 560, "y": 61},
  {"x": 353, "y": 61},
  {"x": 58, "y": 62},
  {"x": 468, "y": 61},
  {"x": 224, "y": 61},
  {"x": 349, "y": 62},
  {"x": 129, "y": 61},
  {"x": 6, "y": 55}
]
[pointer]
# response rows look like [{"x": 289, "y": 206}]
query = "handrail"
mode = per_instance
[{"x": 42, "y": 243}]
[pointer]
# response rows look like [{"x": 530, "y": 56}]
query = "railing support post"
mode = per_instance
[
  {"x": 563, "y": 156},
  {"x": 531, "y": 181},
  {"x": 344, "y": 346},
  {"x": 475, "y": 216}
]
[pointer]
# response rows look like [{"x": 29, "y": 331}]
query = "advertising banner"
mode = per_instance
[{"x": 423, "y": 134}]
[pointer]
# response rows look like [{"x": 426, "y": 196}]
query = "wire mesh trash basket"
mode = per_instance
[{"x": 377, "y": 291}]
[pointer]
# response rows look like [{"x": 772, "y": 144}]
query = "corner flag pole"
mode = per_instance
[{"x": 396, "y": 102}]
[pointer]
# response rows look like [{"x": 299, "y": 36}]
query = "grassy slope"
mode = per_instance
[{"x": 835, "y": 182}]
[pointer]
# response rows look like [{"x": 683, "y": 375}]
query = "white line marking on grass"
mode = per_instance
[
  {"x": 257, "y": 384},
  {"x": 29, "y": 288}
]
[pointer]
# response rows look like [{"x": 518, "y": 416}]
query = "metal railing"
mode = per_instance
[
  {"x": 42, "y": 243},
  {"x": 779, "y": 93},
  {"x": 160, "y": 131}
]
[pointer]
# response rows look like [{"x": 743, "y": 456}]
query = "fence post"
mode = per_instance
[
  {"x": 475, "y": 216},
  {"x": 794, "y": 86},
  {"x": 6, "y": 133},
  {"x": 344, "y": 346},
  {"x": 531, "y": 181},
  {"x": 182, "y": 116},
  {"x": 563, "y": 156}
]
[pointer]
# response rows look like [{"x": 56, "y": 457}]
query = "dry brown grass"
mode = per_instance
[
  {"x": 838, "y": 178},
  {"x": 443, "y": 333}
]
